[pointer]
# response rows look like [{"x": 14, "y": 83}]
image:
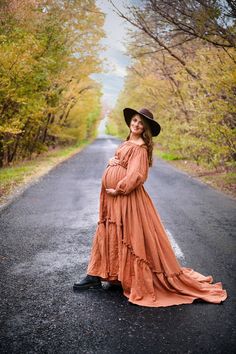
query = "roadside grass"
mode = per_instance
[
  {"x": 220, "y": 179},
  {"x": 20, "y": 174},
  {"x": 167, "y": 156}
]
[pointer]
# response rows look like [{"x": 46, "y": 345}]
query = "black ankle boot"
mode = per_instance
[{"x": 88, "y": 282}]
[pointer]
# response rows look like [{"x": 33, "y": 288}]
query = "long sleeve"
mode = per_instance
[{"x": 137, "y": 171}]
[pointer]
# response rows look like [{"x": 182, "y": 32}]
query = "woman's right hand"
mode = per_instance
[{"x": 113, "y": 161}]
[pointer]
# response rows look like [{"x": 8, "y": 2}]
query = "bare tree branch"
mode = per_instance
[{"x": 142, "y": 25}]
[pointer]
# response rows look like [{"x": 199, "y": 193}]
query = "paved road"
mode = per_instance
[{"x": 46, "y": 237}]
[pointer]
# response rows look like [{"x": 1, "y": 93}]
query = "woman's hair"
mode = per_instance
[{"x": 147, "y": 137}]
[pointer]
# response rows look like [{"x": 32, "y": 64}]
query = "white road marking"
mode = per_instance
[{"x": 177, "y": 249}]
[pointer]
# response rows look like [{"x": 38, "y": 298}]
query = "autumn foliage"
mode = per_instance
[
  {"x": 48, "y": 50},
  {"x": 184, "y": 70}
]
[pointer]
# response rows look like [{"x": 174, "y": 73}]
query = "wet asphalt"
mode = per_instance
[{"x": 46, "y": 237}]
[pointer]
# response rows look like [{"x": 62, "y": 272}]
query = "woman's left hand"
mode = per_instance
[{"x": 111, "y": 191}]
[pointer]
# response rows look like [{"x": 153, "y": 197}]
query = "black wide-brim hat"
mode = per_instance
[{"x": 145, "y": 113}]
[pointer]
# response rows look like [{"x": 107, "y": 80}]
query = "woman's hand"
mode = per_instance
[
  {"x": 113, "y": 161},
  {"x": 112, "y": 191}
]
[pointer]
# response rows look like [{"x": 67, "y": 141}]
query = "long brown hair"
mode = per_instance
[{"x": 147, "y": 137}]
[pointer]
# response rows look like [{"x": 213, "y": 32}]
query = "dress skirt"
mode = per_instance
[{"x": 131, "y": 245}]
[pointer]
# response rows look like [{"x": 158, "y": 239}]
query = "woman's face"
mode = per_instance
[{"x": 136, "y": 125}]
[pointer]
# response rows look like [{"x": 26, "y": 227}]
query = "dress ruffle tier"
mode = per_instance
[{"x": 131, "y": 245}]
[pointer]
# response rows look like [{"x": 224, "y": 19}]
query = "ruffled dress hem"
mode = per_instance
[
  {"x": 166, "y": 289},
  {"x": 131, "y": 244}
]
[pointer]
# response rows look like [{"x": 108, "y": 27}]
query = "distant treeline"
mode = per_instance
[
  {"x": 48, "y": 49},
  {"x": 184, "y": 70}
]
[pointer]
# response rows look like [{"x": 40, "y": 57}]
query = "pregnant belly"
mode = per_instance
[{"x": 112, "y": 175}]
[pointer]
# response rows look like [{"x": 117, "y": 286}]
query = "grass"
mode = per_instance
[
  {"x": 167, "y": 156},
  {"x": 21, "y": 173},
  {"x": 222, "y": 180}
]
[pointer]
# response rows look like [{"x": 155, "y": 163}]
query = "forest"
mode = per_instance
[
  {"x": 48, "y": 50},
  {"x": 184, "y": 69}
]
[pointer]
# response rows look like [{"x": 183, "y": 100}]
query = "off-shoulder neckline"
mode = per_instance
[{"x": 128, "y": 141}]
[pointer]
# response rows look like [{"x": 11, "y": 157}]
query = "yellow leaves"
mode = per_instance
[
  {"x": 17, "y": 56},
  {"x": 9, "y": 131},
  {"x": 47, "y": 55},
  {"x": 197, "y": 116}
]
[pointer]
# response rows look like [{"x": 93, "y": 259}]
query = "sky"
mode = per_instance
[{"x": 115, "y": 54}]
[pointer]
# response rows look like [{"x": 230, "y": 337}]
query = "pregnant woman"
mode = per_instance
[{"x": 130, "y": 245}]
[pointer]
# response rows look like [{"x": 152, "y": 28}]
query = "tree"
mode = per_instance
[
  {"x": 168, "y": 25},
  {"x": 187, "y": 81},
  {"x": 47, "y": 53}
]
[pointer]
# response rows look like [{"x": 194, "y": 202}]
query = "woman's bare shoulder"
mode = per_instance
[{"x": 142, "y": 142}]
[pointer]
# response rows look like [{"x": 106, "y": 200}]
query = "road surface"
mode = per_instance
[{"x": 46, "y": 237}]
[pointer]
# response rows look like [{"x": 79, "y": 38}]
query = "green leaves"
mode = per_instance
[
  {"x": 48, "y": 50},
  {"x": 197, "y": 116}
]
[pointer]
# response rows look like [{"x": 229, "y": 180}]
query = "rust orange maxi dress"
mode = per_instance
[{"x": 131, "y": 245}]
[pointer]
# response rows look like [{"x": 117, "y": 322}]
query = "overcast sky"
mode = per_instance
[{"x": 115, "y": 29}]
